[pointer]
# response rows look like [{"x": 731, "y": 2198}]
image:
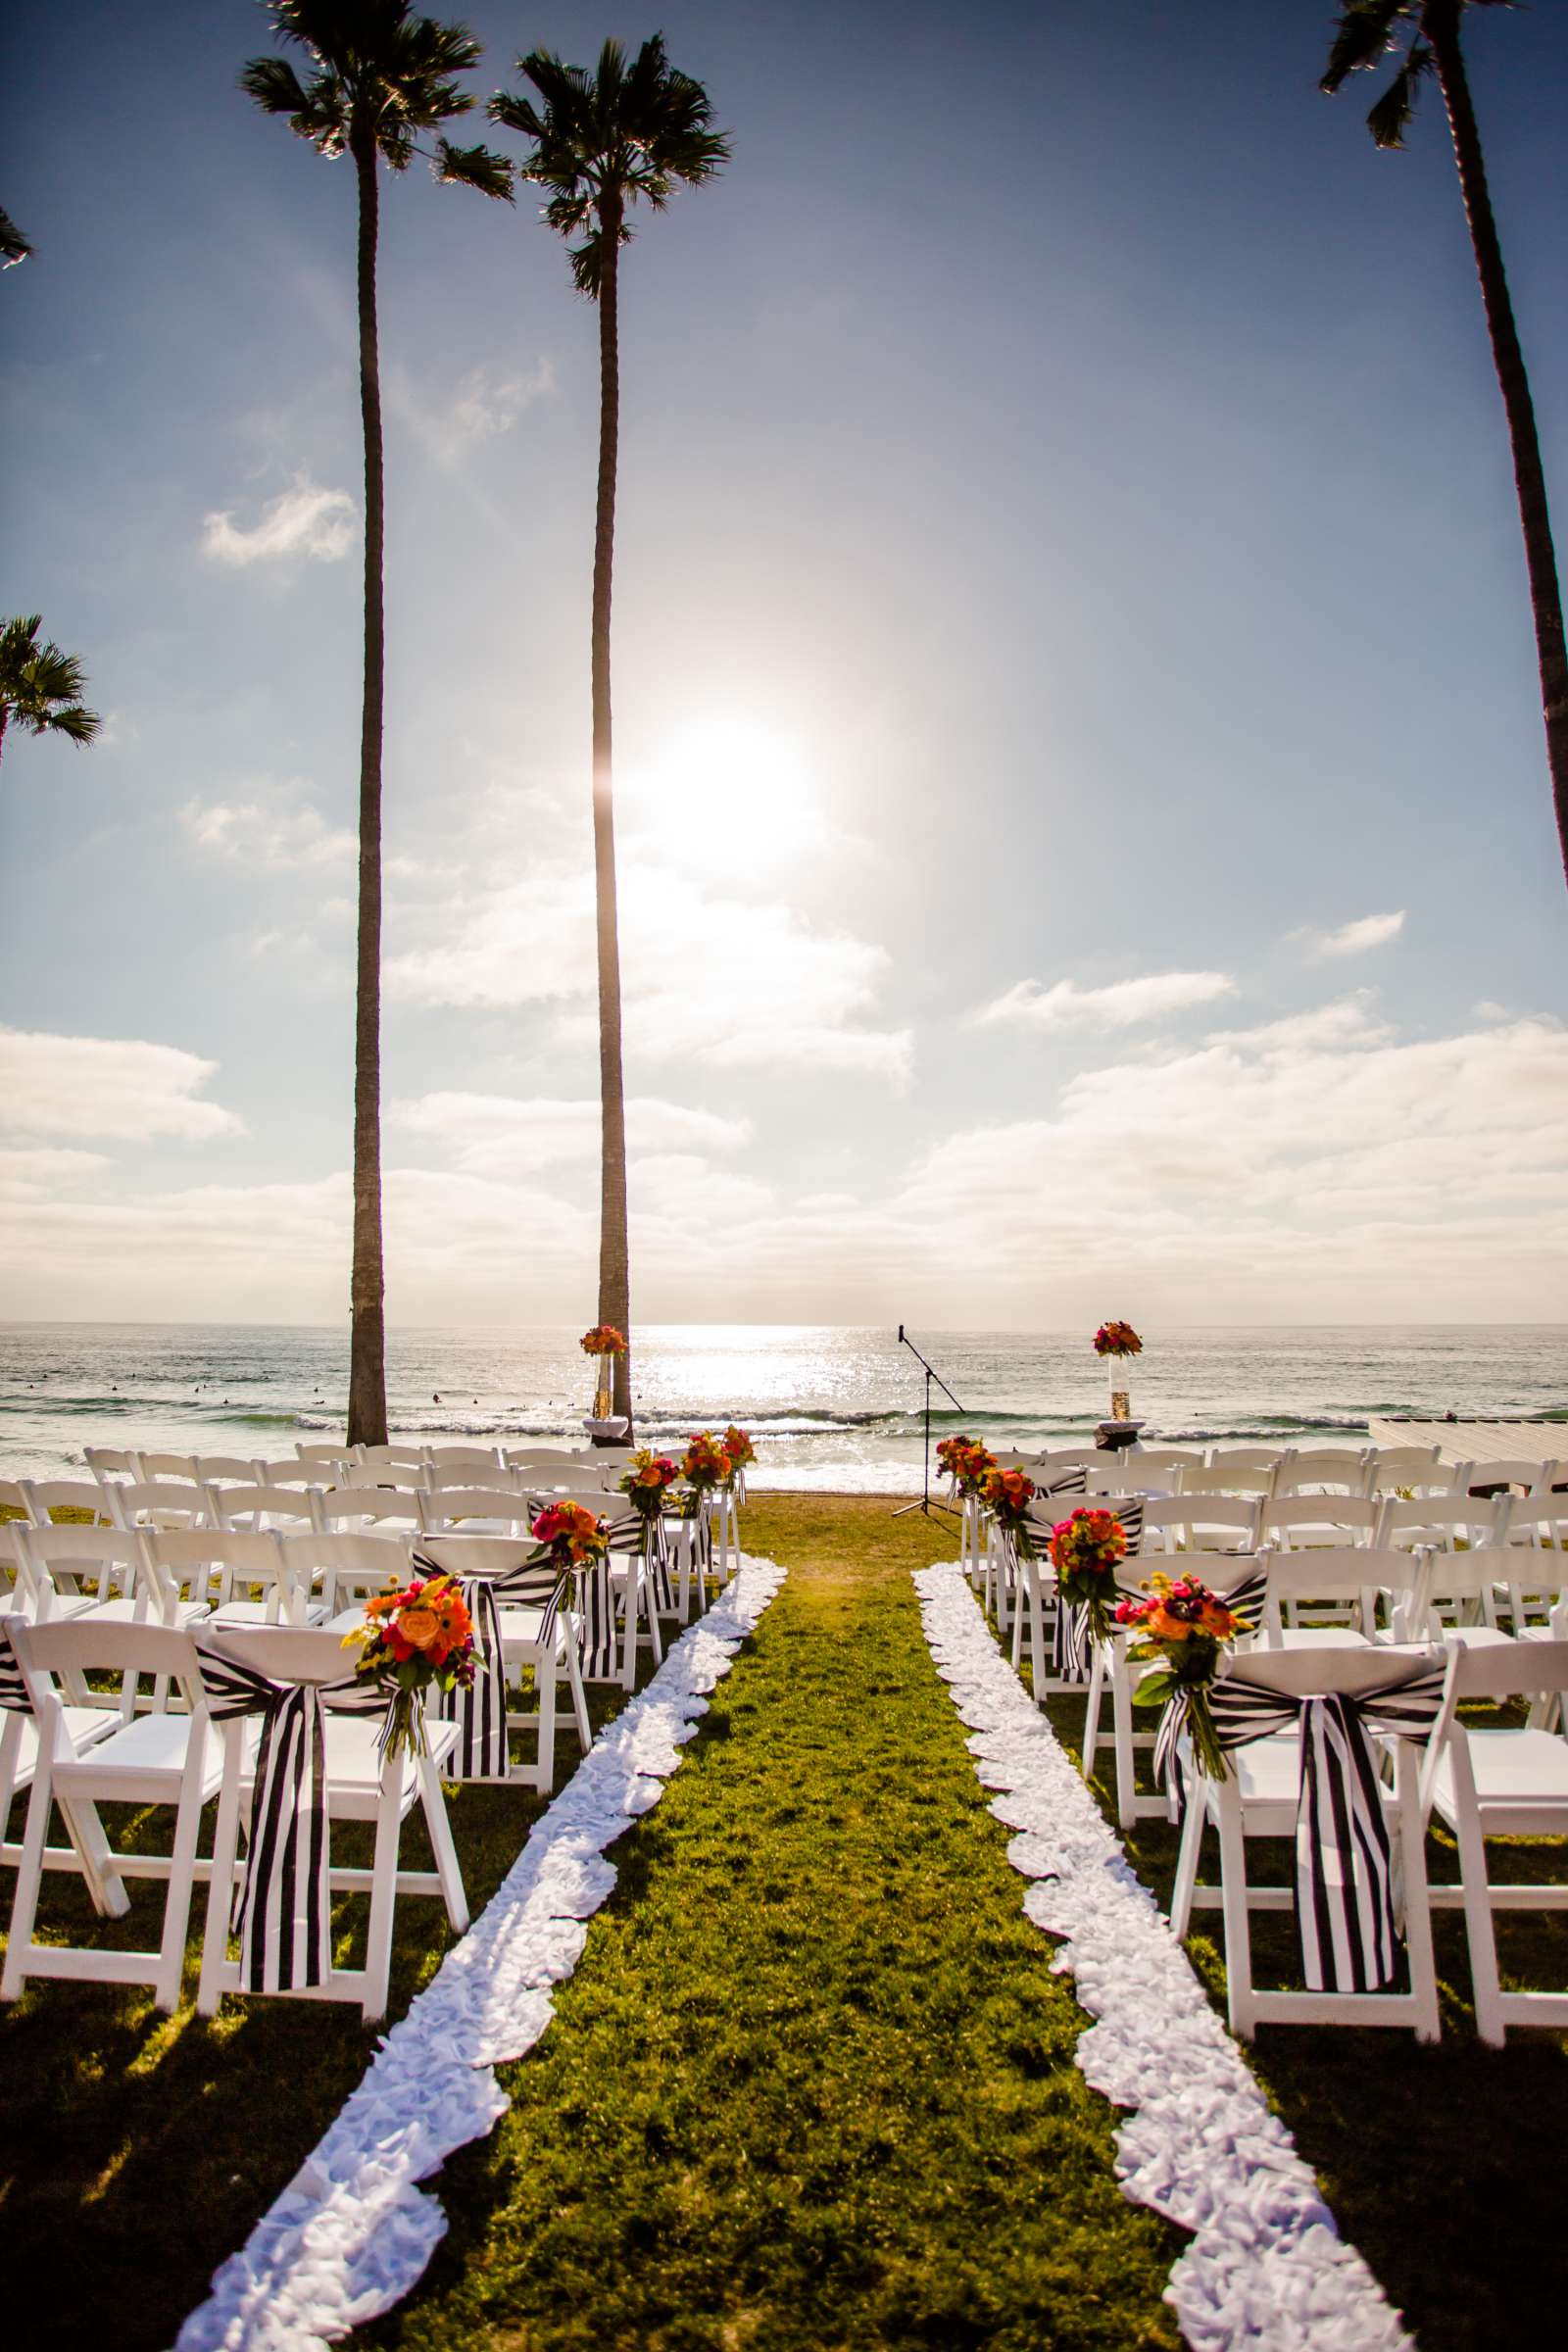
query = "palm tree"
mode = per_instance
[
  {"x": 378, "y": 76},
  {"x": 1425, "y": 36},
  {"x": 601, "y": 143},
  {"x": 40, "y": 687}
]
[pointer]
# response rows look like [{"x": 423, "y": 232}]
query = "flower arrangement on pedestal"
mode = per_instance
[
  {"x": 606, "y": 1342},
  {"x": 738, "y": 1446},
  {"x": 1086, "y": 1552},
  {"x": 1117, "y": 1342},
  {"x": 415, "y": 1641},
  {"x": 1183, "y": 1627}
]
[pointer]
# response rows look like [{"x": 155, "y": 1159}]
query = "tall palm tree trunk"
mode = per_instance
[
  {"x": 1441, "y": 26},
  {"x": 614, "y": 1281},
  {"x": 368, "y": 1332}
]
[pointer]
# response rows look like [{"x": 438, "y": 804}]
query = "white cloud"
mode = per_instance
[
  {"x": 301, "y": 521},
  {"x": 99, "y": 1086},
  {"x": 277, "y": 835},
  {"x": 504, "y": 1136},
  {"x": 1354, "y": 939},
  {"x": 708, "y": 979},
  {"x": 1118, "y": 1005},
  {"x": 24, "y": 1175},
  {"x": 487, "y": 402}
]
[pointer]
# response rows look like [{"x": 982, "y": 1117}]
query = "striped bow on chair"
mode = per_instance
[
  {"x": 1344, "y": 1867},
  {"x": 484, "y": 1751},
  {"x": 284, "y": 1921},
  {"x": 1070, "y": 1651}
]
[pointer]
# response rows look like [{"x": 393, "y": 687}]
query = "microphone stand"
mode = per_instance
[{"x": 925, "y": 1506}]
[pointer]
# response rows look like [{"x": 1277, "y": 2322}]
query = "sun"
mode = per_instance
[{"x": 722, "y": 791}]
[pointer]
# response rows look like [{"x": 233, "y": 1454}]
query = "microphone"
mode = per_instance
[{"x": 901, "y": 1331}]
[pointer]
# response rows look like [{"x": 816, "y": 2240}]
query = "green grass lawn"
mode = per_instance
[{"x": 812, "y": 2084}]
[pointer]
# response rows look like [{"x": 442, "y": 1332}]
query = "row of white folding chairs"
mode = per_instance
[
  {"x": 1218, "y": 1524},
  {"x": 305, "y": 1572},
  {"x": 1268, "y": 1472},
  {"x": 1498, "y": 1782},
  {"x": 78, "y": 1756}
]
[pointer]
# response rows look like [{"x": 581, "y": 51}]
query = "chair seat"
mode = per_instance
[
  {"x": 1523, "y": 1772},
  {"x": 84, "y": 1726},
  {"x": 1478, "y": 1637},
  {"x": 353, "y": 1762},
  {"x": 138, "y": 1762},
  {"x": 524, "y": 1628},
  {"x": 1268, "y": 1772},
  {"x": 1323, "y": 1637},
  {"x": 254, "y": 1613},
  {"x": 137, "y": 1612}
]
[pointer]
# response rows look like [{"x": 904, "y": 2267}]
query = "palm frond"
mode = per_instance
[
  {"x": 380, "y": 73},
  {"x": 474, "y": 167},
  {"x": 40, "y": 687},
  {"x": 14, "y": 246},
  {"x": 604, "y": 141},
  {"x": 1390, "y": 118},
  {"x": 1363, "y": 35}
]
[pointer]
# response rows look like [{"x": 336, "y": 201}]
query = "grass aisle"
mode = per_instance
[{"x": 812, "y": 2083}]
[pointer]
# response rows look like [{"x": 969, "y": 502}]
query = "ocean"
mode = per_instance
[{"x": 828, "y": 1408}]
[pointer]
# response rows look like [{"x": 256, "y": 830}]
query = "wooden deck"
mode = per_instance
[{"x": 1479, "y": 1440}]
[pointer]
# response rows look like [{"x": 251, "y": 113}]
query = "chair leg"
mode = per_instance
[
  {"x": 177, "y": 1900},
  {"x": 383, "y": 1894},
  {"x": 655, "y": 1636},
  {"x": 1121, "y": 1718},
  {"x": 1238, "y": 1927},
  {"x": 1194, "y": 1823},
  {"x": 221, "y": 1887},
  {"x": 438, "y": 1825},
  {"x": 1479, "y": 1928},
  {"x": 29, "y": 1874},
  {"x": 580, "y": 1697},
  {"x": 545, "y": 1673},
  {"x": 1096, "y": 1677},
  {"x": 105, "y": 1886},
  {"x": 1417, "y": 1904}
]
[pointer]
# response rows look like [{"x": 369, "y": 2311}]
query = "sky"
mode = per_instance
[{"x": 1084, "y": 832}]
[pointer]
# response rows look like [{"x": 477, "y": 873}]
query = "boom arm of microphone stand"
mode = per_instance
[{"x": 931, "y": 1372}]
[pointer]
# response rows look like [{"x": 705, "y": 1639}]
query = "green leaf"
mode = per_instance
[{"x": 1155, "y": 1689}]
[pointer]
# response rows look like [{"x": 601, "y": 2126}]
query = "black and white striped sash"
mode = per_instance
[
  {"x": 1245, "y": 1602},
  {"x": 12, "y": 1683},
  {"x": 284, "y": 1921},
  {"x": 1343, "y": 1866},
  {"x": 1067, "y": 1481}
]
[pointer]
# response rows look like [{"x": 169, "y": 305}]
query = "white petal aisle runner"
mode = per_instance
[
  {"x": 1266, "y": 2267},
  {"x": 352, "y": 2233}
]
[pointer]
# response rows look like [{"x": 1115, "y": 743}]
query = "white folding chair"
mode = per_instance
[
  {"x": 1411, "y": 1470},
  {"x": 82, "y": 1727},
  {"x": 242, "y": 1577},
  {"x": 176, "y": 1466},
  {"x": 229, "y": 1470},
  {"x": 108, "y": 1462},
  {"x": 293, "y": 1478},
  {"x": 534, "y": 1635},
  {"x": 1320, "y": 1771},
  {"x": 1327, "y": 1599},
  {"x": 493, "y": 1510},
  {"x": 1237, "y": 1470},
  {"x": 1437, "y": 1522},
  {"x": 630, "y": 1575},
  {"x": 358, "y": 1785},
  {"x": 1299, "y": 1521},
  {"x": 389, "y": 1458},
  {"x": 1163, "y": 1466},
  {"x": 159, "y": 1502},
  {"x": 1503, "y": 1782},
  {"x": 325, "y": 1458},
  {"x": 1201, "y": 1523},
  {"x": 43, "y": 1496},
  {"x": 477, "y": 1465},
  {"x": 333, "y": 1573},
  {"x": 365, "y": 1510},
  {"x": 247, "y": 1510},
  {"x": 1326, "y": 1470},
  {"x": 160, "y": 1759}
]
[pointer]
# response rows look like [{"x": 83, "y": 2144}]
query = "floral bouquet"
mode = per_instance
[
  {"x": 1007, "y": 1495},
  {"x": 703, "y": 1466},
  {"x": 738, "y": 1446},
  {"x": 1183, "y": 1627},
  {"x": 646, "y": 1484},
  {"x": 966, "y": 1461},
  {"x": 1086, "y": 1552},
  {"x": 570, "y": 1534},
  {"x": 1117, "y": 1339},
  {"x": 603, "y": 1340},
  {"x": 413, "y": 1641}
]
